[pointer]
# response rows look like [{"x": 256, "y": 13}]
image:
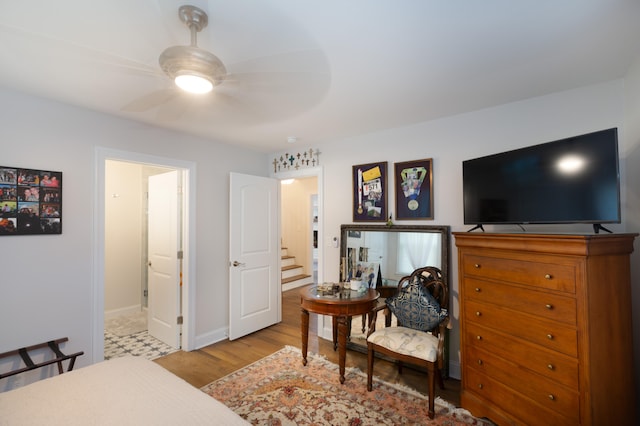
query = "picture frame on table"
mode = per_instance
[
  {"x": 414, "y": 189},
  {"x": 370, "y": 192}
]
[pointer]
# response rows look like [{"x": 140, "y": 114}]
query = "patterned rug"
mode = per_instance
[{"x": 279, "y": 390}]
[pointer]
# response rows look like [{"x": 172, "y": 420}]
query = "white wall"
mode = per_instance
[
  {"x": 631, "y": 153},
  {"x": 54, "y": 299},
  {"x": 47, "y": 280},
  {"x": 123, "y": 238},
  {"x": 451, "y": 140}
]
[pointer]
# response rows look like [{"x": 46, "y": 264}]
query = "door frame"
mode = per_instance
[{"x": 189, "y": 243}]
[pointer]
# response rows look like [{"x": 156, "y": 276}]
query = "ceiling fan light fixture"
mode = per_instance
[
  {"x": 193, "y": 83},
  {"x": 193, "y": 69}
]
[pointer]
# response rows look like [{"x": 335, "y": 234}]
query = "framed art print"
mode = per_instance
[
  {"x": 30, "y": 201},
  {"x": 370, "y": 192},
  {"x": 414, "y": 189}
]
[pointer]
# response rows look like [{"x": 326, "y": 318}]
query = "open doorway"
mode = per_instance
[
  {"x": 122, "y": 180},
  {"x": 128, "y": 258},
  {"x": 312, "y": 201},
  {"x": 299, "y": 231}
]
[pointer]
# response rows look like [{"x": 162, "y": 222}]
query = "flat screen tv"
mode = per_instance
[{"x": 572, "y": 180}]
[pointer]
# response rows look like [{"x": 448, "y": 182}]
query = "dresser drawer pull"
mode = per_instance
[
  {"x": 550, "y": 336},
  {"x": 547, "y": 277},
  {"x": 477, "y": 266},
  {"x": 479, "y": 337},
  {"x": 478, "y": 313},
  {"x": 551, "y": 367},
  {"x": 479, "y": 362},
  {"x": 549, "y": 306},
  {"x": 552, "y": 398},
  {"x": 478, "y": 290},
  {"x": 479, "y": 385}
]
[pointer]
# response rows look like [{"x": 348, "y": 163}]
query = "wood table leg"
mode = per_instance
[
  {"x": 304, "y": 328},
  {"x": 342, "y": 344},
  {"x": 334, "y": 328}
]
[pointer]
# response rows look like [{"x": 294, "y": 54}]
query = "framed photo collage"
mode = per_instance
[{"x": 30, "y": 201}]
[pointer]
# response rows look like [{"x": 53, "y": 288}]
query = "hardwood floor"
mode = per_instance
[{"x": 210, "y": 363}]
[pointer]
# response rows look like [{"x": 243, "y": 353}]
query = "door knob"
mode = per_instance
[{"x": 236, "y": 263}]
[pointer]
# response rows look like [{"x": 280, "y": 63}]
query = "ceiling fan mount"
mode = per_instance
[
  {"x": 193, "y": 16},
  {"x": 192, "y": 63}
]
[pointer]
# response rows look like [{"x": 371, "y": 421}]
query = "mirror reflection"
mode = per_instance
[{"x": 378, "y": 256}]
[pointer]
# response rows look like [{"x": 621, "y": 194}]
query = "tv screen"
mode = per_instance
[{"x": 573, "y": 180}]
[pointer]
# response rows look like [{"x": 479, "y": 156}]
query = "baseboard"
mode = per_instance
[
  {"x": 129, "y": 310},
  {"x": 212, "y": 337},
  {"x": 454, "y": 369}
]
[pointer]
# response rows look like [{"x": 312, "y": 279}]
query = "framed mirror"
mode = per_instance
[{"x": 381, "y": 255}]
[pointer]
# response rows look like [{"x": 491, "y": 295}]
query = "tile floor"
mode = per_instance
[{"x": 138, "y": 344}]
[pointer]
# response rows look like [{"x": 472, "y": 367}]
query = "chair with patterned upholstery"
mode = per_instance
[{"x": 420, "y": 306}]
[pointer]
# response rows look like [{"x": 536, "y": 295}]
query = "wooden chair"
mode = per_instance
[{"x": 418, "y": 338}]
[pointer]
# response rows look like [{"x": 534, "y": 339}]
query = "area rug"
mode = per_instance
[{"x": 279, "y": 390}]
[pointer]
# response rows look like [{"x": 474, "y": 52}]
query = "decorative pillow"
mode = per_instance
[{"x": 416, "y": 308}]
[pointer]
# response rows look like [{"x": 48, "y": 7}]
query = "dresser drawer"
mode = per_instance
[
  {"x": 559, "y": 337},
  {"x": 539, "y": 388},
  {"x": 540, "y": 303},
  {"x": 552, "y": 276},
  {"x": 524, "y": 410},
  {"x": 558, "y": 367}
]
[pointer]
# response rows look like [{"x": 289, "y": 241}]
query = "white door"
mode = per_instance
[
  {"x": 164, "y": 265},
  {"x": 254, "y": 250}
]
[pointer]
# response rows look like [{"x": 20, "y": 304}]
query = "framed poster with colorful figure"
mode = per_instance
[{"x": 414, "y": 189}]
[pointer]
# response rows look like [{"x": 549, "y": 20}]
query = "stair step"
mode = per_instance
[
  {"x": 289, "y": 267},
  {"x": 290, "y": 271},
  {"x": 288, "y": 260},
  {"x": 295, "y": 278},
  {"x": 297, "y": 281}
]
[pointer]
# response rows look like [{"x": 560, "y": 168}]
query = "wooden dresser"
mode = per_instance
[{"x": 545, "y": 328}]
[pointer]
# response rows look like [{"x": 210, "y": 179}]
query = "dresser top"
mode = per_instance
[{"x": 570, "y": 244}]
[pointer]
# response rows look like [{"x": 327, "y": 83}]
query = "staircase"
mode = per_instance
[{"x": 292, "y": 275}]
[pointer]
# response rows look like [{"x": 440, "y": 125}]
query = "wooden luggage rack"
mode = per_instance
[{"x": 30, "y": 365}]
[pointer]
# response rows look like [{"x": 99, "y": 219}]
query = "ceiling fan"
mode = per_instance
[
  {"x": 193, "y": 69},
  {"x": 292, "y": 80},
  {"x": 285, "y": 79}
]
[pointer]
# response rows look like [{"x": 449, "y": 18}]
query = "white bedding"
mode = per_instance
[{"x": 123, "y": 391}]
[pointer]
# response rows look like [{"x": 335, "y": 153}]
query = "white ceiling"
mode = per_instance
[{"x": 319, "y": 70}]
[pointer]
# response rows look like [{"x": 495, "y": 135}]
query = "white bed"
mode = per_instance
[{"x": 123, "y": 391}]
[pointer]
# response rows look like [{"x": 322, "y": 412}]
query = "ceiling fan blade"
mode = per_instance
[
  {"x": 312, "y": 61},
  {"x": 151, "y": 100},
  {"x": 294, "y": 81},
  {"x": 174, "y": 110},
  {"x": 59, "y": 53}
]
